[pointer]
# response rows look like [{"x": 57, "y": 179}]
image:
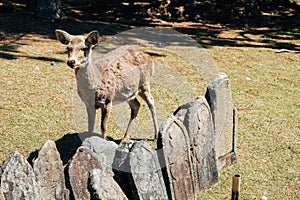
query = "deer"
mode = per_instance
[{"x": 118, "y": 76}]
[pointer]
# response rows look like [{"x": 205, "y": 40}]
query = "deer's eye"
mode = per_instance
[
  {"x": 69, "y": 49},
  {"x": 84, "y": 49}
]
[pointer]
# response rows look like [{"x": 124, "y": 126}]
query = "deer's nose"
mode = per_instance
[{"x": 71, "y": 63}]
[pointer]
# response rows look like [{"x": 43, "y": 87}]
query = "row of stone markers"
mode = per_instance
[{"x": 193, "y": 145}]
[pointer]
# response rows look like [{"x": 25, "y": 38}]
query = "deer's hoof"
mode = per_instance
[{"x": 125, "y": 138}]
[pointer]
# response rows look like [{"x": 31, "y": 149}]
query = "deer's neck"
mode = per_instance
[{"x": 87, "y": 75}]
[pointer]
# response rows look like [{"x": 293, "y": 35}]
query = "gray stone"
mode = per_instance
[
  {"x": 104, "y": 150},
  {"x": 48, "y": 169},
  {"x": 146, "y": 172},
  {"x": 225, "y": 119},
  {"x": 82, "y": 162},
  {"x": 18, "y": 180},
  {"x": 103, "y": 187},
  {"x": 186, "y": 143}
]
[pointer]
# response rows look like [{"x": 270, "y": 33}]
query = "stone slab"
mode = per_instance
[
  {"x": 146, "y": 172},
  {"x": 49, "y": 172},
  {"x": 104, "y": 151},
  {"x": 79, "y": 167},
  {"x": 18, "y": 180},
  {"x": 224, "y": 115}
]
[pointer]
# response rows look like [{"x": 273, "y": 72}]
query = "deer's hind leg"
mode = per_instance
[
  {"x": 134, "y": 106},
  {"x": 146, "y": 96}
]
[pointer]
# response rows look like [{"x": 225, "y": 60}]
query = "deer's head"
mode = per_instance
[{"x": 78, "y": 46}]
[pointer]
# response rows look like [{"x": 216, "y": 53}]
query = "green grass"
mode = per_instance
[{"x": 37, "y": 105}]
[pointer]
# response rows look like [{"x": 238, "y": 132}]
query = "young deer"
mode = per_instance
[{"x": 116, "y": 77}]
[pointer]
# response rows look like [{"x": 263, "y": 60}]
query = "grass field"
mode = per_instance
[{"x": 37, "y": 89}]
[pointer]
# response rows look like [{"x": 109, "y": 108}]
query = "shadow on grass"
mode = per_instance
[
  {"x": 66, "y": 146},
  {"x": 276, "y": 31},
  {"x": 69, "y": 143}
]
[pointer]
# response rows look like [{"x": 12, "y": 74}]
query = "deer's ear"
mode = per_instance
[
  {"x": 93, "y": 37},
  {"x": 62, "y": 36}
]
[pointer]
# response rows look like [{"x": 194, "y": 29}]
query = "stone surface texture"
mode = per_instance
[
  {"x": 146, "y": 172},
  {"x": 48, "y": 169},
  {"x": 224, "y": 115},
  {"x": 81, "y": 164},
  {"x": 18, "y": 180},
  {"x": 104, "y": 151},
  {"x": 103, "y": 186}
]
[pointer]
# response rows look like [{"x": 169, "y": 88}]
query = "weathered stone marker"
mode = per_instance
[
  {"x": 82, "y": 162},
  {"x": 199, "y": 125},
  {"x": 104, "y": 151},
  {"x": 48, "y": 169},
  {"x": 186, "y": 142},
  {"x": 225, "y": 119},
  {"x": 138, "y": 172},
  {"x": 103, "y": 186},
  {"x": 18, "y": 180},
  {"x": 146, "y": 172}
]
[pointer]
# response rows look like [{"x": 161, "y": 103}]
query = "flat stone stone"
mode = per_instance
[
  {"x": 225, "y": 119},
  {"x": 146, "y": 172},
  {"x": 104, "y": 151},
  {"x": 48, "y": 169},
  {"x": 18, "y": 180},
  {"x": 82, "y": 162},
  {"x": 103, "y": 186}
]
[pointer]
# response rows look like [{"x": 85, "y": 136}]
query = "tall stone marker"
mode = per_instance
[
  {"x": 199, "y": 124},
  {"x": 146, "y": 172},
  {"x": 48, "y": 169},
  {"x": 186, "y": 150},
  {"x": 18, "y": 180},
  {"x": 225, "y": 119}
]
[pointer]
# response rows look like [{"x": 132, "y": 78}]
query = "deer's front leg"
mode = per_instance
[
  {"x": 105, "y": 110},
  {"x": 91, "y": 111}
]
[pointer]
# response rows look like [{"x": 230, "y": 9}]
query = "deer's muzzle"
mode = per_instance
[{"x": 71, "y": 63}]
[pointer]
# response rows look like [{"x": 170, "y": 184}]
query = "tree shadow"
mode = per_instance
[{"x": 273, "y": 30}]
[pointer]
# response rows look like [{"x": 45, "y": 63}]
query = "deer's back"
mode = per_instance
[{"x": 124, "y": 72}]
